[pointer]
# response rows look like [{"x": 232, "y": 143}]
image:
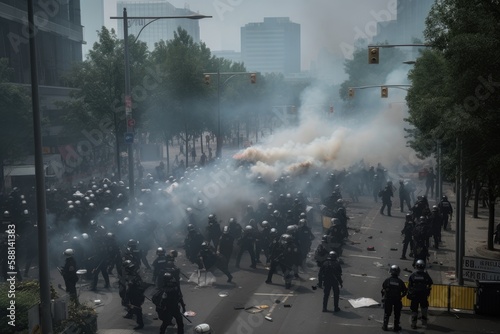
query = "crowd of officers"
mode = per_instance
[{"x": 276, "y": 233}]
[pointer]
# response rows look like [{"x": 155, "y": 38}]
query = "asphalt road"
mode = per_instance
[{"x": 298, "y": 310}]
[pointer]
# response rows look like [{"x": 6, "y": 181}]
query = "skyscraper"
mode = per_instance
[
  {"x": 161, "y": 29},
  {"x": 271, "y": 46},
  {"x": 409, "y": 24}
]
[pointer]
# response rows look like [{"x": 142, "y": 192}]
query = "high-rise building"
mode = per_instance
[
  {"x": 409, "y": 24},
  {"x": 162, "y": 29},
  {"x": 92, "y": 21},
  {"x": 59, "y": 41},
  {"x": 271, "y": 46}
]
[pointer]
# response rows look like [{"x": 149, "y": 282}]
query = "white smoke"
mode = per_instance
[{"x": 325, "y": 141}]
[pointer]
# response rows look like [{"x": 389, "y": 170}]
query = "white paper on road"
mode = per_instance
[
  {"x": 202, "y": 278},
  {"x": 363, "y": 302}
]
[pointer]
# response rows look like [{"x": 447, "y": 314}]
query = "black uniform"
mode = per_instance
[
  {"x": 246, "y": 243},
  {"x": 393, "y": 289},
  {"x": 68, "y": 272},
  {"x": 135, "y": 298},
  {"x": 210, "y": 259},
  {"x": 332, "y": 279},
  {"x": 225, "y": 246},
  {"x": 167, "y": 301},
  {"x": 446, "y": 210},
  {"x": 386, "y": 194},
  {"x": 419, "y": 288},
  {"x": 407, "y": 232}
]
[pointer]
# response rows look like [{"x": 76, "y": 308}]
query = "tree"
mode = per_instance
[
  {"x": 462, "y": 104},
  {"x": 177, "y": 107},
  {"x": 98, "y": 104},
  {"x": 16, "y": 127}
]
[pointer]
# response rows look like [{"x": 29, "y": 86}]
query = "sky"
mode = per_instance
[{"x": 325, "y": 24}]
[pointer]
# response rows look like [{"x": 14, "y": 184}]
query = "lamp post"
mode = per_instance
[
  {"x": 219, "y": 87},
  {"x": 129, "y": 136}
]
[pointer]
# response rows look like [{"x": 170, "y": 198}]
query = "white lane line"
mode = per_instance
[
  {"x": 354, "y": 325},
  {"x": 274, "y": 294},
  {"x": 365, "y": 256},
  {"x": 357, "y": 275}
]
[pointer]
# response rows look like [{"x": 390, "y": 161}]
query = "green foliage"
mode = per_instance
[
  {"x": 81, "y": 317},
  {"x": 27, "y": 294}
]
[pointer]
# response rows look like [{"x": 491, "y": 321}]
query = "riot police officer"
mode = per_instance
[
  {"x": 393, "y": 290},
  {"x": 68, "y": 272},
  {"x": 332, "y": 279},
  {"x": 247, "y": 244},
  {"x": 419, "y": 289},
  {"x": 167, "y": 301}
]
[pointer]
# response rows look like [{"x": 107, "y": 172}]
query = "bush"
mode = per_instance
[{"x": 26, "y": 295}]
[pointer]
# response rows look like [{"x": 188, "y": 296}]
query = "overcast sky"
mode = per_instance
[{"x": 330, "y": 24}]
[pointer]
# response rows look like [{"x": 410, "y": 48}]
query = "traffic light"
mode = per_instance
[
  {"x": 373, "y": 55},
  {"x": 384, "y": 91},
  {"x": 351, "y": 92},
  {"x": 207, "y": 79},
  {"x": 253, "y": 78}
]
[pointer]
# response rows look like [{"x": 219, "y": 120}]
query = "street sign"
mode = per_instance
[
  {"x": 131, "y": 123},
  {"x": 129, "y": 138},
  {"x": 480, "y": 275},
  {"x": 480, "y": 264}
]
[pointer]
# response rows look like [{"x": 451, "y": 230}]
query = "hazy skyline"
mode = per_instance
[{"x": 332, "y": 25}]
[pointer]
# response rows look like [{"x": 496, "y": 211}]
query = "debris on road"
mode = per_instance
[
  {"x": 363, "y": 302},
  {"x": 371, "y": 248},
  {"x": 394, "y": 249}
]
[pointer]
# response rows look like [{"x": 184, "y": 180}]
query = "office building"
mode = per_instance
[
  {"x": 409, "y": 24},
  {"x": 161, "y": 29},
  {"x": 272, "y": 46}
]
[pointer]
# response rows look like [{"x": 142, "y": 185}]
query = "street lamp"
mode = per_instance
[{"x": 129, "y": 136}]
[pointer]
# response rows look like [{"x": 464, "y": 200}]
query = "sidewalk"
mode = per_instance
[{"x": 476, "y": 230}]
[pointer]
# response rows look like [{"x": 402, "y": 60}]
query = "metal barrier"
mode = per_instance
[{"x": 449, "y": 297}]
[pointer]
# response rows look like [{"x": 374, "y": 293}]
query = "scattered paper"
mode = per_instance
[{"x": 363, "y": 302}]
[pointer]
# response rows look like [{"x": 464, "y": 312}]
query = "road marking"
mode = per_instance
[
  {"x": 354, "y": 325},
  {"x": 366, "y": 256},
  {"x": 357, "y": 275},
  {"x": 274, "y": 294}
]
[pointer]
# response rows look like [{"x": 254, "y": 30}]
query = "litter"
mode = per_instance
[
  {"x": 287, "y": 305},
  {"x": 239, "y": 307},
  {"x": 363, "y": 302},
  {"x": 378, "y": 264},
  {"x": 394, "y": 249},
  {"x": 253, "y": 309},
  {"x": 189, "y": 313},
  {"x": 312, "y": 278},
  {"x": 97, "y": 301},
  {"x": 371, "y": 248},
  {"x": 268, "y": 318},
  {"x": 223, "y": 294}
]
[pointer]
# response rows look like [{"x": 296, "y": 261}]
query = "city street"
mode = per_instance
[{"x": 298, "y": 310}]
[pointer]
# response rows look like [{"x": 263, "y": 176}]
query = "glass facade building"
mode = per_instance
[
  {"x": 272, "y": 46},
  {"x": 162, "y": 29}
]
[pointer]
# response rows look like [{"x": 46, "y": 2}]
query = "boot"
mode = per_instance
[
  {"x": 397, "y": 327},
  {"x": 424, "y": 317},
  {"x": 414, "y": 316},
  {"x": 386, "y": 322}
]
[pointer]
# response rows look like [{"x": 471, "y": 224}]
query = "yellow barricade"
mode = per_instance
[{"x": 449, "y": 297}]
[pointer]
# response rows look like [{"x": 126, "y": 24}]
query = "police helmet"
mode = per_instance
[
  {"x": 421, "y": 219},
  {"x": 173, "y": 253},
  {"x": 211, "y": 218},
  {"x": 303, "y": 215},
  {"x": 324, "y": 238},
  {"x": 409, "y": 216},
  {"x": 248, "y": 228},
  {"x": 420, "y": 265},
  {"x": 435, "y": 208},
  {"x": 168, "y": 278},
  {"x": 204, "y": 245},
  {"x": 232, "y": 221},
  {"x": 190, "y": 227},
  {"x": 332, "y": 255},
  {"x": 110, "y": 235},
  {"x": 273, "y": 231},
  {"x": 291, "y": 229},
  {"x": 69, "y": 252},
  {"x": 335, "y": 221},
  {"x": 132, "y": 243},
  {"x": 203, "y": 328},
  {"x": 265, "y": 224},
  {"x": 444, "y": 198},
  {"x": 394, "y": 270},
  {"x": 85, "y": 236},
  {"x": 302, "y": 222},
  {"x": 276, "y": 213},
  {"x": 160, "y": 251},
  {"x": 225, "y": 230}
]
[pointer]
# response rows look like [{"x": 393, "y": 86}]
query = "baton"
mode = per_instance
[{"x": 186, "y": 318}]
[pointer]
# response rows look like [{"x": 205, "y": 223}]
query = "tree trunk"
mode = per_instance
[
  {"x": 491, "y": 213},
  {"x": 477, "y": 190},
  {"x": 201, "y": 142},
  {"x": 187, "y": 145},
  {"x": 168, "y": 157}
]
